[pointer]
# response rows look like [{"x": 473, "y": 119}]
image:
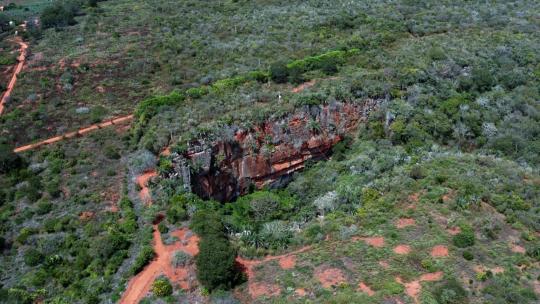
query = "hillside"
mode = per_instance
[{"x": 270, "y": 151}]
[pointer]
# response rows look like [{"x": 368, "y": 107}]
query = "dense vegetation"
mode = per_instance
[{"x": 456, "y": 135}]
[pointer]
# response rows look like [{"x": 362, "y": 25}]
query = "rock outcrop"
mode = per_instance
[{"x": 267, "y": 154}]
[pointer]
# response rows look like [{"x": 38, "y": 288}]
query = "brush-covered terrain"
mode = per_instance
[{"x": 279, "y": 152}]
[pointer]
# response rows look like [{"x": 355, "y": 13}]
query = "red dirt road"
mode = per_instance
[
  {"x": 142, "y": 181},
  {"x": 141, "y": 284},
  {"x": 80, "y": 132},
  {"x": 18, "y": 69}
]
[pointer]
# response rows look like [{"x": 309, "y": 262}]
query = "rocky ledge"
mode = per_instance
[{"x": 267, "y": 154}]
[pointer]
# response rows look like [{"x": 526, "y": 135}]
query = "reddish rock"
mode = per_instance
[{"x": 267, "y": 154}]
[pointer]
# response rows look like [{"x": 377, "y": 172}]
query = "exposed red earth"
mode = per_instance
[
  {"x": 453, "y": 230},
  {"x": 402, "y": 249},
  {"x": 405, "y": 222},
  {"x": 518, "y": 249},
  {"x": 142, "y": 181},
  {"x": 439, "y": 251},
  {"x": 329, "y": 277},
  {"x": 18, "y": 69},
  {"x": 303, "y": 86},
  {"x": 413, "y": 288},
  {"x": 141, "y": 284},
  {"x": 376, "y": 241},
  {"x": 80, "y": 132},
  {"x": 366, "y": 289},
  {"x": 257, "y": 289}
]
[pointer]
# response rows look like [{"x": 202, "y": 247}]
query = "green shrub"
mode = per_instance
[
  {"x": 207, "y": 222},
  {"x": 181, "y": 259},
  {"x": 215, "y": 263},
  {"x": 162, "y": 287},
  {"x": 56, "y": 16},
  {"x": 467, "y": 255},
  {"x": 111, "y": 152},
  {"x": 146, "y": 255},
  {"x": 279, "y": 72},
  {"x": 464, "y": 239},
  {"x": 162, "y": 227},
  {"x": 8, "y": 159},
  {"x": 33, "y": 257},
  {"x": 451, "y": 292}
]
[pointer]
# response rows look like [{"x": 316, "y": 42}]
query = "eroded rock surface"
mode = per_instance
[{"x": 268, "y": 153}]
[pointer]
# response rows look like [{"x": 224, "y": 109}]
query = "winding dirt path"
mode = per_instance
[
  {"x": 22, "y": 59},
  {"x": 142, "y": 181},
  {"x": 141, "y": 284},
  {"x": 80, "y": 132}
]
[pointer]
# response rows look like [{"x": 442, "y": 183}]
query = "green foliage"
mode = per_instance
[
  {"x": 451, "y": 292},
  {"x": 56, "y": 16},
  {"x": 146, "y": 255},
  {"x": 465, "y": 238},
  {"x": 467, "y": 255},
  {"x": 216, "y": 263},
  {"x": 207, "y": 222},
  {"x": 8, "y": 159},
  {"x": 279, "y": 72},
  {"x": 162, "y": 287},
  {"x": 33, "y": 257}
]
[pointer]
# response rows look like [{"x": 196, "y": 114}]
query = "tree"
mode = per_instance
[
  {"x": 9, "y": 160},
  {"x": 57, "y": 16},
  {"x": 216, "y": 263},
  {"x": 279, "y": 72}
]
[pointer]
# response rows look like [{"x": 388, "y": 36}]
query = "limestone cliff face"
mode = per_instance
[{"x": 267, "y": 154}]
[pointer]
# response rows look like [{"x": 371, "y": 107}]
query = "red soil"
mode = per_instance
[
  {"x": 86, "y": 215},
  {"x": 453, "y": 230},
  {"x": 402, "y": 249},
  {"x": 366, "y": 289},
  {"x": 301, "y": 292},
  {"x": 287, "y": 262},
  {"x": 405, "y": 222},
  {"x": 384, "y": 264},
  {"x": 329, "y": 277},
  {"x": 80, "y": 132},
  {"x": 413, "y": 288},
  {"x": 414, "y": 197},
  {"x": 141, "y": 284},
  {"x": 248, "y": 265},
  {"x": 142, "y": 181},
  {"x": 18, "y": 69},
  {"x": 303, "y": 86},
  {"x": 518, "y": 249},
  {"x": 258, "y": 289},
  {"x": 166, "y": 151},
  {"x": 439, "y": 251},
  {"x": 375, "y": 241}
]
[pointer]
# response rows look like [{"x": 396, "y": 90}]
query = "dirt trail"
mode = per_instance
[
  {"x": 80, "y": 132},
  {"x": 142, "y": 181},
  {"x": 141, "y": 284},
  {"x": 18, "y": 69}
]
